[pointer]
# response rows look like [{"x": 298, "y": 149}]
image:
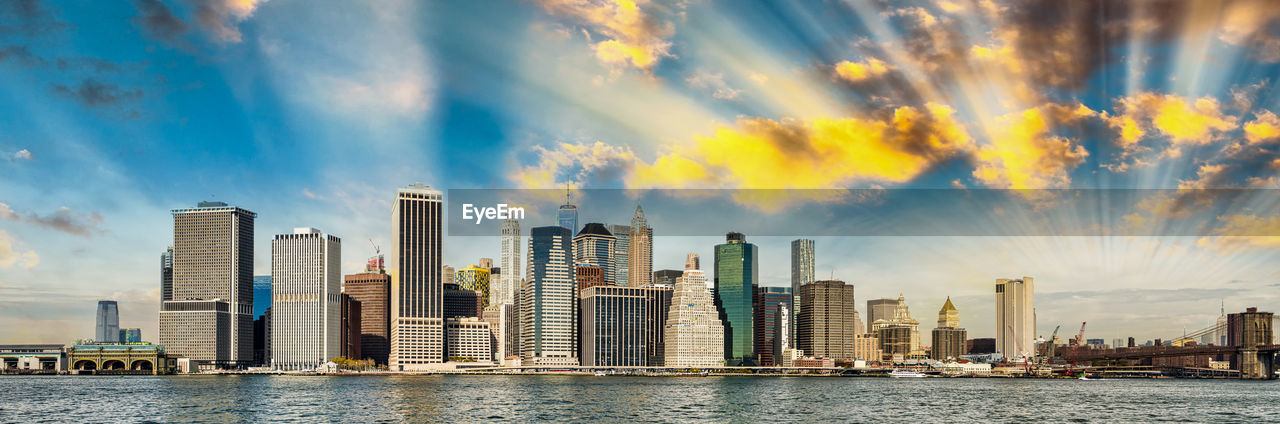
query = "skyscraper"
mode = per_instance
[
  {"x": 621, "y": 254},
  {"x": 899, "y": 333},
  {"x": 594, "y": 246},
  {"x": 475, "y": 278},
  {"x": 261, "y": 294},
  {"x": 948, "y": 339},
  {"x": 306, "y": 286},
  {"x": 802, "y": 257},
  {"x": 108, "y": 325},
  {"x": 417, "y": 288},
  {"x": 878, "y": 309},
  {"x": 567, "y": 216},
  {"x": 349, "y": 330},
  {"x": 549, "y": 300},
  {"x": 130, "y": 335},
  {"x": 588, "y": 276},
  {"x": 828, "y": 322},
  {"x": 1015, "y": 317},
  {"x": 694, "y": 334},
  {"x": 503, "y": 323},
  {"x": 666, "y": 277},
  {"x": 373, "y": 291},
  {"x": 166, "y": 275},
  {"x": 640, "y": 251},
  {"x": 769, "y": 301},
  {"x": 509, "y": 257},
  {"x": 210, "y": 318},
  {"x": 615, "y": 326},
  {"x": 737, "y": 271}
]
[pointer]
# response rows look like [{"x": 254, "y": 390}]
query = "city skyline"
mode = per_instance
[{"x": 253, "y": 107}]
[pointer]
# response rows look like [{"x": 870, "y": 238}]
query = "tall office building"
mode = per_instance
[
  {"x": 306, "y": 290},
  {"x": 503, "y": 324},
  {"x": 567, "y": 216},
  {"x": 373, "y": 291},
  {"x": 783, "y": 333},
  {"x": 210, "y": 318},
  {"x": 878, "y": 309},
  {"x": 594, "y": 246},
  {"x": 659, "y": 304},
  {"x": 802, "y": 258},
  {"x": 1015, "y": 317},
  {"x": 768, "y": 303},
  {"x": 166, "y": 275},
  {"x": 900, "y": 333},
  {"x": 615, "y": 324},
  {"x": 640, "y": 251},
  {"x": 621, "y": 254},
  {"x": 108, "y": 323},
  {"x": 350, "y": 346},
  {"x": 462, "y": 303},
  {"x": 549, "y": 300},
  {"x": 666, "y": 277},
  {"x": 476, "y": 279},
  {"x": 948, "y": 339},
  {"x": 508, "y": 291},
  {"x": 417, "y": 287},
  {"x": 737, "y": 271},
  {"x": 588, "y": 276},
  {"x": 694, "y": 334},
  {"x": 828, "y": 320}
]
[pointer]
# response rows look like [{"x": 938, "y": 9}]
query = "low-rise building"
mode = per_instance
[
  {"x": 32, "y": 358},
  {"x": 120, "y": 358},
  {"x": 468, "y": 339}
]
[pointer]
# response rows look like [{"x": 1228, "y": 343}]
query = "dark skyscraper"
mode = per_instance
[
  {"x": 373, "y": 290},
  {"x": 737, "y": 273},
  {"x": 666, "y": 277},
  {"x": 768, "y": 301},
  {"x": 417, "y": 288},
  {"x": 261, "y": 294},
  {"x": 166, "y": 275}
]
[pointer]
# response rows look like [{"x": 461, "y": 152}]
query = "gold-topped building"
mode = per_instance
[{"x": 948, "y": 338}]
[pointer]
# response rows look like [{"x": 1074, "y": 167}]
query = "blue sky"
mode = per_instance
[{"x": 311, "y": 113}]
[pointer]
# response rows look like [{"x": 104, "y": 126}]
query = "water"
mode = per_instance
[{"x": 265, "y": 398}]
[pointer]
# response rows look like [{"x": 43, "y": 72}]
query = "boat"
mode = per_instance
[
  {"x": 601, "y": 374},
  {"x": 906, "y": 374}
]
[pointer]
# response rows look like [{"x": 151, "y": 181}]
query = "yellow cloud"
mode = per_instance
[
  {"x": 761, "y": 153},
  {"x": 861, "y": 71},
  {"x": 1242, "y": 230},
  {"x": 572, "y": 162},
  {"x": 1266, "y": 127},
  {"x": 1025, "y": 154},
  {"x": 1183, "y": 120},
  {"x": 11, "y": 256},
  {"x": 635, "y": 37}
]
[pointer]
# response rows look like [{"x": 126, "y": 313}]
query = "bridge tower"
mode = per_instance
[{"x": 1250, "y": 332}]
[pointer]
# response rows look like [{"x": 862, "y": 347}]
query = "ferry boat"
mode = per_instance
[
  {"x": 906, "y": 374},
  {"x": 601, "y": 373}
]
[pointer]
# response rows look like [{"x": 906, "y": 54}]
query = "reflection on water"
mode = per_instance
[{"x": 610, "y": 399}]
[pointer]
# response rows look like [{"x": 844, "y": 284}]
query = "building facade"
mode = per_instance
[
  {"x": 615, "y": 326},
  {"x": 828, "y": 320},
  {"x": 503, "y": 323},
  {"x": 1015, "y": 317},
  {"x": 373, "y": 291},
  {"x": 878, "y": 309},
  {"x": 949, "y": 340},
  {"x": 462, "y": 303},
  {"x": 737, "y": 271},
  {"x": 567, "y": 215},
  {"x": 588, "y": 276},
  {"x": 166, "y": 275},
  {"x": 769, "y": 302},
  {"x": 666, "y": 277},
  {"x": 469, "y": 340},
  {"x": 900, "y": 333},
  {"x": 210, "y": 316},
  {"x": 476, "y": 279},
  {"x": 866, "y": 347},
  {"x": 130, "y": 335},
  {"x": 549, "y": 300},
  {"x": 351, "y": 310},
  {"x": 802, "y": 258},
  {"x": 306, "y": 304},
  {"x": 640, "y": 251},
  {"x": 594, "y": 246},
  {"x": 107, "y": 329},
  {"x": 510, "y": 259},
  {"x": 659, "y": 304},
  {"x": 694, "y": 334},
  {"x": 621, "y": 254},
  {"x": 417, "y": 286}
]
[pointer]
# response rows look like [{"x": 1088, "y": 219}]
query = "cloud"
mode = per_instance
[
  {"x": 23, "y": 154},
  {"x": 1026, "y": 153},
  {"x": 861, "y": 71},
  {"x": 1242, "y": 231},
  {"x": 64, "y": 220},
  {"x": 222, "y": 18},
  {"x": 575, "y": 163},
  {"x": 92, "y": 93},
  {"x": 306, "y": 192},
  {"x": 157, "y": 20},
  {"x": 634, "y": 37},
  {"x": 1264, "y": 128},
  {"x": 713, "y": 82},
  {"x": 27, "y": 17},
  {"x": 19, "y": 54},
  {"x": 760, "y": 153},
  {"x": 10, "y": 255},
  {"x": 1249, "y": 23},
  {"x": 1182, "y": 120}
]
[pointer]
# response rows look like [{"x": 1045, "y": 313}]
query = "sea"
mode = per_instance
[{"x": 609, "y": 399}]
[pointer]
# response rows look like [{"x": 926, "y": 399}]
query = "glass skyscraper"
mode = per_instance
[
  {"x": 549, "y": 300},
  {"x": 594, "y": 246},
  {"x": 261, "y": 294},
  {"x": 567, "y": 216},
  {"x": 736, "y": 275},
  {"x": 108, "y": 328}
]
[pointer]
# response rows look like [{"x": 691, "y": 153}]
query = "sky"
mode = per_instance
[{"x": 311, "y": 113}]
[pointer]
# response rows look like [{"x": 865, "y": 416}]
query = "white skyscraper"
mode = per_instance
[
  {"x": 417, "y": 286},
  {"x": 694, "y": 334},
  {"x": 306, "y": 290},
  {"x": 1015, "y": 317},
  {"x": 509, "y": 284}
]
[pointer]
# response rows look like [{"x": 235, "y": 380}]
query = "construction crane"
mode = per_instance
[
  {"x": 1075, "y": 352},
  {"x": 376, "y": 250},
  {"x": 1048, "y": 350}
]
